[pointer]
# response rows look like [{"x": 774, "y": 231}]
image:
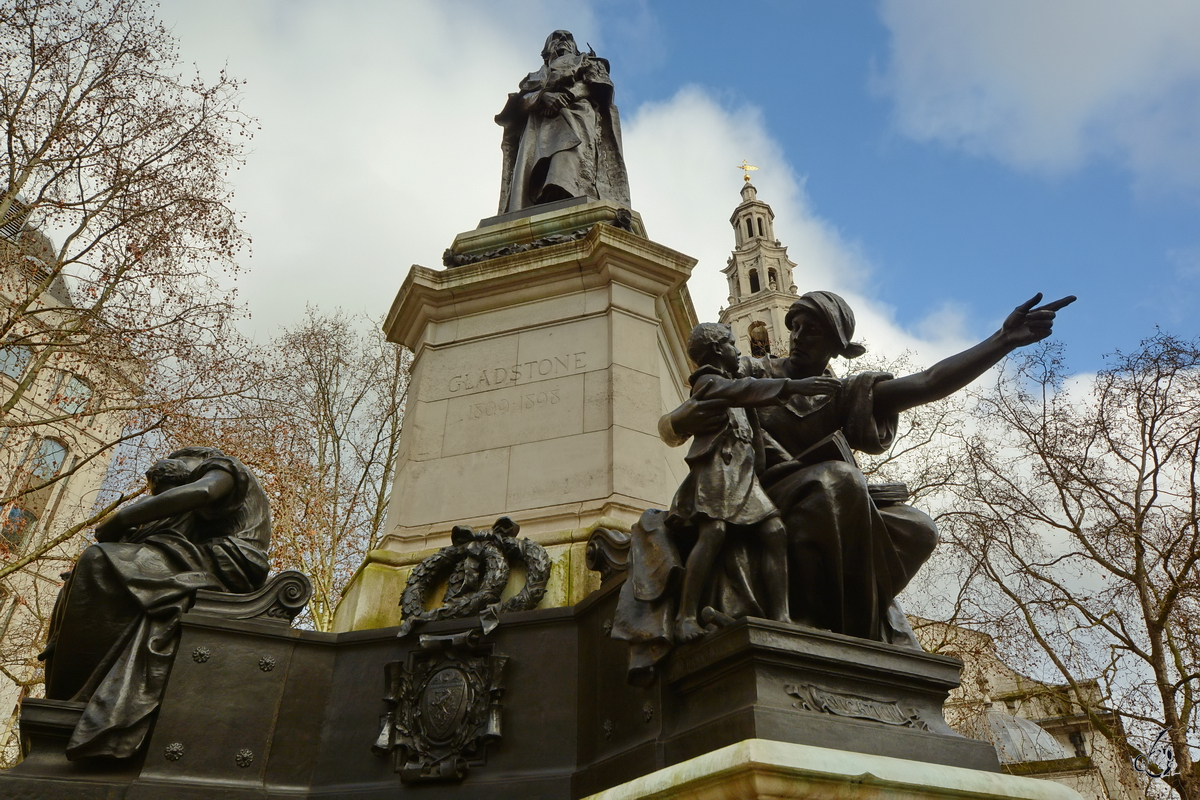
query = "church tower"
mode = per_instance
[{"x": 761, "y": 287}]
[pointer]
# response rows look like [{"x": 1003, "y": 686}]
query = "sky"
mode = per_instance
[{"x": 937, "y": 162}]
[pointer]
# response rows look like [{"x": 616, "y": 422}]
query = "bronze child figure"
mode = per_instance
[{"x": 722, "y": 488}]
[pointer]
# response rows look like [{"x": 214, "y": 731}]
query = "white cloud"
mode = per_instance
[
  {"x": 1049, "y": 86},
  {"x": 378, "y": 146},
  {"x": 682, "y": 156},
  {"x": 377, "y": 143}
]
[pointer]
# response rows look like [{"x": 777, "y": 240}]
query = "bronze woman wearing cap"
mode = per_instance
[{"x": 851, "y": 549}]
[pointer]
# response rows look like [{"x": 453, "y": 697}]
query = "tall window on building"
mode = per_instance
[
  {"x": 31, "y": 491},
  {"x": 14, "y": 358},
  {"x": 14, "y": 521},
  {"x": 753, "y": 281},
  {"x": 760, "y": 227},
  {"x": 749, "y": 228},
  {"x": 73, "y": 394}
]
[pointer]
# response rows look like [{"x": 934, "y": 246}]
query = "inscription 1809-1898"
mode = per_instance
[
  {"x": 495, "y": 377},
  {"x": 525, "y": 401}
]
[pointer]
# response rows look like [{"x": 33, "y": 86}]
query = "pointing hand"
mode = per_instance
[{"x": 1026, "y": 324}]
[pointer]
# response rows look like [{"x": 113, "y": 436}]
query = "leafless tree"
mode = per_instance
[
  {"x": 320, "y": 427},
  {"x": 1074, "y": 529},
  {"x": 117, "y": 248},
  {"x": 117, "y": 234},
  {"x": 921, "y": 455}
]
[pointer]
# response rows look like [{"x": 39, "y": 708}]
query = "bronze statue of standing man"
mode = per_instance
[{"x": 562, "y": 135}]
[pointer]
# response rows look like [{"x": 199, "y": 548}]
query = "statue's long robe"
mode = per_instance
[
  {"x": 577, "y": 150},
  {"x": 116, "y": 624},
  {"x": 851, "y": 550}
]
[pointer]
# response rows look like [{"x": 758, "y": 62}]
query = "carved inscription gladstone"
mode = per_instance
[
  {"x": 495, "y": 377},
  {"x": 502, "y": 406}
]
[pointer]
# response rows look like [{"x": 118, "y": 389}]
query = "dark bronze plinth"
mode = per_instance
[
  {"x": 254, "y": 709},
  {"x": 765, "y": 680},
  {"x": 46, "y": 727}
]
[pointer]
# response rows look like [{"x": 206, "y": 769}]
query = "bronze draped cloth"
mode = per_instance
[
  {"x": 118, "y": 661},
  {"x": 849, "y": 554},
  {"x": 578, "y": 150}
]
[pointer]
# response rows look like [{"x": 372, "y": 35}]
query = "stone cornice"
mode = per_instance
[{"x": 606, "y": 253}]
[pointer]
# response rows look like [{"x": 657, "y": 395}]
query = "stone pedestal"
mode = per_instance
[
  {"x": 760, "y": 679},
  {"x": 537, "y": 384},
  {"x": 758, "y": 769}
]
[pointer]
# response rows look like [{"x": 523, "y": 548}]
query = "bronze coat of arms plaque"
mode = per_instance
[{"x": 444, "y": 707}]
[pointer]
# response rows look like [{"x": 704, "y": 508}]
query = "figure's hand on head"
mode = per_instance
[{"x": 1026, "y": 324}]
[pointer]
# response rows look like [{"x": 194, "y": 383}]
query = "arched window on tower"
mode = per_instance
[
  {"x": 760, "y": 227},
  {"x": 749, "y": 228},
  {"x": 760, "y": 342},
  {"x": 753, "y": 281},
  {"x": 772, "y": 280}
]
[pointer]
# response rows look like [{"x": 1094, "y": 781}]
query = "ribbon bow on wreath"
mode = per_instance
[{"x": 476, "y": 569}]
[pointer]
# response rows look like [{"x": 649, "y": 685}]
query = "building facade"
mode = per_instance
[
  {"x": 53, "y": 459},
  {"x": 1040, "y": 730}
]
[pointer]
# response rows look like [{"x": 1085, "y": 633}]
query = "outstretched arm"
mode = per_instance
[
  {"x": 704, "y": 411},
  {"x": 756, "y": 392},
  {"x": 208, "y": 489},
  {"x": 1024, "y": 326}
]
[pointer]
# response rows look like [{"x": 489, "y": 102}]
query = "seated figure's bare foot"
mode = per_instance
[{"x": 687, "y": 629}]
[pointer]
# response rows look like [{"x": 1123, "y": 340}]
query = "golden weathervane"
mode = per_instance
[{"x": 746, "y": 168}]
